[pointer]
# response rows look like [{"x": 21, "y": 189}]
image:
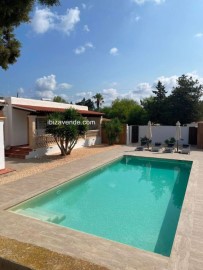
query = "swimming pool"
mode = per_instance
[{"x": 133, "y": 200}]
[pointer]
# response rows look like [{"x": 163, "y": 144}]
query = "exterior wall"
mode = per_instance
[
  {"x": 8, "y": 125},
  {"x": 33, "y": 102},
  {"x": 97, "y": 121},
  {"x": 7, "y": 134},
  {"x": 2, "y": 158},
  {"x": 161, "y": 133},
  {"x": 20, "y": 127},
  {"x": 54, "y": 149}
]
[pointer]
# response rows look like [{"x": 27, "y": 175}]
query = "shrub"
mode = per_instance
[
  {"x": 171, "y": 140},
  {"x": 113, "y": 129}
]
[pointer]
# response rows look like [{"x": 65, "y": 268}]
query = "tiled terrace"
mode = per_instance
[{"x": 187, "y": 252}]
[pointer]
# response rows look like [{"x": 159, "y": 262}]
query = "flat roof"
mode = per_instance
[{"x": 51, "y": 109}]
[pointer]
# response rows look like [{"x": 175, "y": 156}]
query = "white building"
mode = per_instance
[{"x": 25, "y": 123}]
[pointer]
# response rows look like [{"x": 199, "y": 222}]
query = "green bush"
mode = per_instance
[
  {"x": 113, "y": 129},
  {"x": 144, "y": 140},
  {"x": 171, "y": 140}
]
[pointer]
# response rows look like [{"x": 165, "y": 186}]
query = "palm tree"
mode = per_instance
[{"x": 98, "y": 100}]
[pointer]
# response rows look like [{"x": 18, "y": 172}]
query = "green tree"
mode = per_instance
[
  {"x": 138, "y": 116},
  {"x": 160, "y": 92},
  {"x": 66, "y": 129},
  {"x": 99, "y": 100},
  {"x": 112, "y": 128},
  {"x": 12, "y": 14},
  {"x": 86, "y": 102},
  {"x": 127, "y": 111},
  {"x": 184, "y": 101},
  {"x": 122, "y": 108},
  {"x": 149, "y": 107},
  {"x": 59, "y": 99},
  {"x": 107, "y": 111},
  {"x": 159, "y": 105}
]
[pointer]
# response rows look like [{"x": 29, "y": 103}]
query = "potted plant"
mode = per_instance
[
  {"x": 145, "y": 141},
  {"x": 170, "y": 142}
]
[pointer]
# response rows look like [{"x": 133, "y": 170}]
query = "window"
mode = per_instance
[{"x": 41, "y": 123}]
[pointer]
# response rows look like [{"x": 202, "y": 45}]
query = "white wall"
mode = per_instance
[
  {"x": 7, "y": 134},
  {"x": 20, "y": 127},
  {"x": 161, "y": 133},
  {"x": 54, "y": 149},
  {"x": 2, "y": 155},
  {"x": 42, "y": 103}
]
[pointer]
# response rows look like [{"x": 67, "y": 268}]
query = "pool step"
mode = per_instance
[{"x": 44, "y": 215}]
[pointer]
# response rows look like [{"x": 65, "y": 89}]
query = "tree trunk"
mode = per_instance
[
  {"x": 68, "y": 152},
  {"x": 63, "y": 150}
]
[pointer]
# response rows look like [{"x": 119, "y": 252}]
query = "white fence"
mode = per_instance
[{"x": 161, "y": 133}]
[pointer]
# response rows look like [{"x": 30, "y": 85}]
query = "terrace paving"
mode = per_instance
[{"x": 187, "y": 251}]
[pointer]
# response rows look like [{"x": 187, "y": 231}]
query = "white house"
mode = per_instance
[{"x": 25, "y": 123}]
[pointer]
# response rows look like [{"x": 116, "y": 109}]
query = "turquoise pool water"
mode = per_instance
[{"x": 135, "y": 201}]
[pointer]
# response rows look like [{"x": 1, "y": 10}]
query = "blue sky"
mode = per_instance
[{"x": 119, "y": 48}]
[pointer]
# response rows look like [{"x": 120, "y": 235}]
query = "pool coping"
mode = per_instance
[{"x": 84, "y": 246}]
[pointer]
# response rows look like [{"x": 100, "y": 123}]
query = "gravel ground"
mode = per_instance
[
  {"x": 33, "y": 166},
  {"x": 38, "y": 258}
]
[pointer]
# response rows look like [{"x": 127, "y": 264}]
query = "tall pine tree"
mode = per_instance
[{"x": 184, "y": 101}]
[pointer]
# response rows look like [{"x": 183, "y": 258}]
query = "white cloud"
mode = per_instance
[
  {"x": 199, "y": 35},
  {"x": 141, "y": 2},
  {"x": 195, "y": 76},
  {"x": 89, "y": 45},
  {"x": 86, "y": 95},
  {"x": 45, "y": 20},
  {"x": 113, "y": 51},
  {"x": 111, "y": 93},
  {"x": 139, "y": 91},
  {"x": 113, "y": 84},
  {"x": 20, "y": 90},
  {"x": 86, "y": 28},
  {"x": 143, "y": 89},
  {"x": 64, "y": 86},
  {"x": 82, "y": 49},
  {"x": 84, "y": 6},
  {"x": 64, "y": 96},
  {"x": 137, "y": 18},
  {"x": 68, "y": 21},
  {"x": 45, "y": 94},
  {"x": 47, "y": 85},
  {"x": 169, "y": 82}
]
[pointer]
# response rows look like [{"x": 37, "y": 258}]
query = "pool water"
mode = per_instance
[{"x": 135, "y": 201}]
